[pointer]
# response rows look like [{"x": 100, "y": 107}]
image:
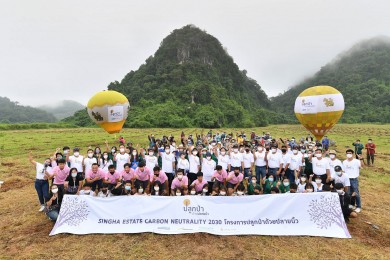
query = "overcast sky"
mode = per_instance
[{"x": 54, "y": 50}]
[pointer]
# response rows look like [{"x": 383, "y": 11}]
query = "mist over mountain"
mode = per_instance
[{"x": 63, "y": 108}]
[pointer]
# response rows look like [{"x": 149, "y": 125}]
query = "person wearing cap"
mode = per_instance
[
  {"x": 274, "y": 162},
  {"x": 345, "y": 201},
  {"x": 208, "y": 167},
  {"x": 236, "y": 159},
  {"x": 199, "y": 183},
  {"x": 340, "y": 177},
  {"x": 333, "y": 162},
  {"x": 183, "y": 163},
  {"x": 321, "y": 166},
  {"x": 159, "y": 182},
  {"x": 76, "y": 160},
  {"x": 179, "y": 185},
  {"x": 233, "y": 180},
  {"x": 352, "y": 168},
  {"x": 219, "y": 178}
]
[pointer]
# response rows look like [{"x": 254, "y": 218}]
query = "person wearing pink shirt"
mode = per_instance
[
  {"x": 95, "y": 177},
  {"x": 159, "y": 182},
  {"x": 199, "y": 183},
  {"x": 179, "y": 185},
  {"x": 219, "y": 178},
  {"x": 128, "y": 173},
  {"x": 60, "y": 173},
  {"x": 233, "y": 180},
  {"x": 142, "y": 177},
  {"x": 112, "y": 178}
]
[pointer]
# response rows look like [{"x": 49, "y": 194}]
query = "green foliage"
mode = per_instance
[
  {"x": 7, "y": 126},
  {"x": 12, "y": 112},
  {"x": 362, "y": 75}
]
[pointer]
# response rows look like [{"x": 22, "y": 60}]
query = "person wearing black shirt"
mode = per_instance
[
  {"x": 73, "y": 182},
  {"x": 345, "y": 201},
  {"x": 53, "y": 203}
]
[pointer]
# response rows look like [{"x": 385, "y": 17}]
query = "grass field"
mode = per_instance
[{"x": 24, "y": 232}]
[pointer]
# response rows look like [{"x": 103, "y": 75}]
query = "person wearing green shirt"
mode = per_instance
[
  {"x": 254, "y": 188},
  {"x": 269, "y": 183},
  {"x": 358, "y": 148},
  {"x": 284, "y": 187}
]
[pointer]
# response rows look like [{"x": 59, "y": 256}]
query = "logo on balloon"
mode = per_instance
[{"x": 328, "y": 102}]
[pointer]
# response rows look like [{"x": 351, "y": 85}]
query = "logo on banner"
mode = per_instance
[
  {"x": 193, "y": 210},
  {"x": 73, "y": 212}
]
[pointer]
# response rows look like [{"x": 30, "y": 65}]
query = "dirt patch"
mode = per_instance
[
  {"x": 14, "y": 183},
  {"x": 8, "y": 164}
]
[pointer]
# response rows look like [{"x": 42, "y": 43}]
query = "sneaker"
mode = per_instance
[
  {"x": 357, "y": 210},
  {"x": 41, "y": 208},
  {"x": 350, "y": 206}
]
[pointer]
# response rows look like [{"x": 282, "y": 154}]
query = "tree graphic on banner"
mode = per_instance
[
  {"x": 74, "y": 210},
  {"x": 327, "y": 211}
]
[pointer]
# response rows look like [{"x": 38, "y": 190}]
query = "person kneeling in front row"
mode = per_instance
[
  {"x": 179, "y": 184},
  {"x": 345, "y": 200}
]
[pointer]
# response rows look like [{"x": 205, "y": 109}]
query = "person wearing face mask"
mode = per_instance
[
  {"x": 333, "y": 162},
  {"x": 321, "y": 166},
  {"x": 352, "y": 168},
  {"x": 89, "y": 160},
  {"x": 236, "y": 159},
  {"x": 76, "y": 160},
  {"x": 233, "y": 180},
  {"x": 219, "y": 178},
  {"x": 316, "y": 182},
  {"x": 240, "y": 190},
  {"x": 301, "y": 182},
  {"x": 112, "y": 178},
  {"x": 104, "y": 192},
  {"x": 95, "y": 177},
  {"x": 223, "y": 158},
  {"x": 142, "y": 177},
  {"x": 222, "y": 191},
  {"x": 121, "y": 158},
  {"x": 42, "y": 173},
  {"x": 294, "y": 164},
  {"x": 208, "y": 167},
  {"x": 179, "y": 184},
  {"x": 111, "y": 152},
  {"x": 150, "y": 159},
  {"x": 309, "y": 188},
  {"x": 73, "y": 182},
  {"x": 325, "y": 143},
  {"x": 97, "y": 152},
  {"x": 308, "y": 164},
  {"x": 53, "y": 203},
  {"x": 274, "y": 162},
  {"x": 254, "y": 188},
  {"x": 194, "y": 162},
  {"x": 87, "y": 190},
  {"x": 128, "y": 174},
  {"x": 345, "y": 201},
  {"x": 199, "y": 184},
  {"x": 340, "y": 177},
  {"x": 260, "y": 163},
  {"x": 370, "y": 148},
  {"x": 183, "y": 163},
  {"x": 249, "y": 160},
  {"x": 135, "y": 158},
  {"x": 205, "y": 190},
  {"x": 284, "y": 187},
  {"x": 105, "y": 162},
  {"x": 159, "y": 179},
  {"x": 168, "y": 161},
  {"x": 269, "y": 182},
  {"x": 127, "y": 190}
]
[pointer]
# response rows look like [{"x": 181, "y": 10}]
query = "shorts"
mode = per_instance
[{"x": 230, "y": 185}]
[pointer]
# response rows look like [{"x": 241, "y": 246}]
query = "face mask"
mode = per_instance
[
  {"x": 208, "y": 158},
  {"x": 339, "y": 173},
  {"x": 66, "y": 152},
  {"x": 310, "y": 147},
  {"x": 127, "y": 188},
  {"x": 74, "y": 174},
  {"x": 122, "y": 150},
  {"x": 90, "y": 155},
  {"x": 167, "y": 150},
  {"x": 285, "y": 183},
  {"x": 236, "y": 174},
  {"x": 254, "y": 181},
  {"x": 97, "y": 151},
  {"x": 235, "y": 150},
  {"x": 205, "y": 190},
  {"x": 180, "y": 177},
  {"x": 303, "y": 151},
  {"x": 134, "y": 153},
  {"x": 303, "y": 179},
  {"x": 76, "y": 154},
  {"x": 156, "y": 188},
  {"x": 194, "y": 152},
  {"x": 113, "y": 151},
  {"x": 332, "y": 156},
  {"x": 318, "y": 155},
  {"x": 340, "y": 192},
  {"x": 87, "y": 192},
  {"x": 270, "y": 179},
  {"x": 267, "y": 149},
  {"x": 140, "y": 190},
  {"x": 178, "y": 194},
  {"x": 318, "y": 181},
  {"x": 222, "y": 193},
  {"x": 54, "y": 191},
  {"x": 309, "y": 190},
  {"x": 274, "y": 150},
  {"x": 105, "y": 156},
  {"x": 295, "y": 151},
  {"x": 260, "y": 149},
  {"x": 193, "y": 192},
  {"x": 349, "y": 155},
  {"x": 239, "y": 193}
]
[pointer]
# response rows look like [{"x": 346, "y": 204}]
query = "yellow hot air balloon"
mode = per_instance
[
  {"x": 108, "y": 109},
  {"x": 319, "y": 108}
]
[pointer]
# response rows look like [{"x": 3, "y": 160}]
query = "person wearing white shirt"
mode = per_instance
[
  {"x": 121, "y": 158},
  {"x": 151, "y": 159},
  {"x": 236, "y": 159},
  {"x": 105, "y": 162},
  {"x": 89, "y": 160},
  {"x": 42, "y": 173},
  {"x": 260, "y": 157},
  {"x": 333, "y": 162},
  {"x": 223, "y": 158},
  {"x": 168, "y": 163},
  {"x": 249, "y": 161},
  {"x": 321, "y": 166},
  {"x": 183, "y": 163},
  {"x": 295, "y": 165},
  {"x": 340, "y": 177},
  {"x": 76, "y": 160},
  {"x": 352, "y": 168},
  {"x": 194, "y": 161},
  {"x": 275, "y": 163},
  {"x": 208, "y": 167}
]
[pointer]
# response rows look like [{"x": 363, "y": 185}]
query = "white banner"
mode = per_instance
[
  {"x": 319, "y": 103},
  {"x": 313, "y": 214}
]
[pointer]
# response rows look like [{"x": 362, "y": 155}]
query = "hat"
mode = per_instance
[
  {"x": 332, "y": 152},
  {"x": 151, "y": 149},
  {"x": 76, "y": 149},
  {"x": 208, "y": 154},
  {"x": 204, "y": 149},
  {"x": 181, "y": 146},
  {"x": 338, "y": 186},
  {"x": 338, "y": 168}
]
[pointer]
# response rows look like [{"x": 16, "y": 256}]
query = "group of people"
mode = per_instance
[{"x": 207, "y": 165}]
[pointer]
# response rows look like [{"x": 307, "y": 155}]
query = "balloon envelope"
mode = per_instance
[
  {"x": 319, "y": 108},
  {"x": 109, "y": 110}
]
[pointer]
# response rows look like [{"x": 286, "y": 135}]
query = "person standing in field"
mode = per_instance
[
  {"x": 358, "y": 149},
  {"x": 370, "y": 147},
  {"x": 352, "y": 168}
]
